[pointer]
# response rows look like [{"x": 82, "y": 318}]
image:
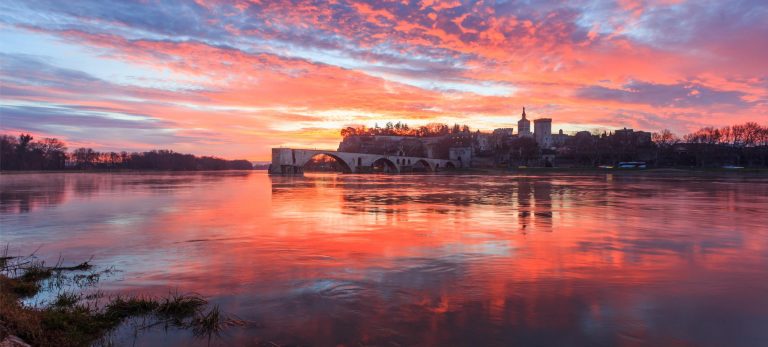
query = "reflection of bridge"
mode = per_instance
[{"x": 288, "y": 161}]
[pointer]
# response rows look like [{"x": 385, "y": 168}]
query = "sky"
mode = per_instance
[{"x": 235, "y": 78}]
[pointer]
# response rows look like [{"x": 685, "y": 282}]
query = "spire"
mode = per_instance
[{"x": 523, "y": 112}]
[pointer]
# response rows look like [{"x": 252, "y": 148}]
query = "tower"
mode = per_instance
[
  {"x": 542, "y": 132},
  {"x": 524, "y": 126}
]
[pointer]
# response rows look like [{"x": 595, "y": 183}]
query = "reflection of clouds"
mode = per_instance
[
  {"x": 20, "y": 193},
  {"x": 426, "y": 276},
  {"x": 379, "y": 260},
  {"x": 638, "y": 247}
]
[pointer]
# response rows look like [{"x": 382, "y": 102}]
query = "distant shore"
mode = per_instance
[
  {"x": 4, "y": 172},
  {"x": 757, "y": 172},
  {"x": 469, "y": 171}
]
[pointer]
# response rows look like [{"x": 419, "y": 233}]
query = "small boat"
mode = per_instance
[{"x": 632, "y": 165}]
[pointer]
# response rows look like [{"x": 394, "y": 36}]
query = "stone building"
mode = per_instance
[
  {"x": 542, "y": 131},
  {"x": 559, "y": 139},
  {"x": 523, "y": 126},
  {"x": 482, "y": 142},
  {"x": 630, "y": 137},
  {"x": 461, "y": 154}
]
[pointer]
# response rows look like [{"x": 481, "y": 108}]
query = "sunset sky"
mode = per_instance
[{"x": 234, "y": 78}]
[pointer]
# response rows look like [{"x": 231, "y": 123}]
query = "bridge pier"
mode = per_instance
[{"x": 286, "y": 170}]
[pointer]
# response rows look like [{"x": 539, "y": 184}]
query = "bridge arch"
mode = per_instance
[
  {"x": 421, "y": 163},
  {"x": 385, "y": 165},
  {"x": 292, "y": 161},
  {"x": 345, "y": 167}
]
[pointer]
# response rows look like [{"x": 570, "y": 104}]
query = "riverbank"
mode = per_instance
[
  {"x": 100, "y": 171},
  {"x": 80, "y": 318},
  {"x": 587, "y": 170},
  {"x": 472, "y": 171}
]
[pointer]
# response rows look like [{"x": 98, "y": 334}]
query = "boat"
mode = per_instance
[{"x": 631, "y": 165}]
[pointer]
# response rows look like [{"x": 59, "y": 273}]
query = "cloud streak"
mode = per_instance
[{"x": 679, "y": 95}]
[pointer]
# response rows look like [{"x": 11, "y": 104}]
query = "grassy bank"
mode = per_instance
[{"x": 79, "y": 319}]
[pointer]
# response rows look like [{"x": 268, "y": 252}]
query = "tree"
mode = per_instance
[
  {"x": 523, "y": 150},
  {"x": 54, "y": 153},
  {"x": 707, "y": 135},
  {"x": 8, "y": 154},
  {"x": 762, "y": 138},
  {"x": 752, "y": 132},
  {"x": 22, "y": 151},
  {"x": 85, "y": 158},
  {"x": 347, "y": 132},
  {"x": 665, "y": 142},
  {"x": 665, "y": 138}
]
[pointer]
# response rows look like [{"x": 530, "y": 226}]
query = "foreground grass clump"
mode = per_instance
[{"x": 73, "y": 319}]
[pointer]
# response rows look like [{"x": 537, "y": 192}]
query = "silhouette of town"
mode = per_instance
[
  {"x": 732, "y": 146},
  {"x": 737, "y": 146}
]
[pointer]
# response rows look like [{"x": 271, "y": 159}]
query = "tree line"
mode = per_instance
[
  {"x": 742, "y": 144},
  {"x": 402, "y": 129},
  {"x": 739, "y": 145},
  {"x": 26, "y": 153}
]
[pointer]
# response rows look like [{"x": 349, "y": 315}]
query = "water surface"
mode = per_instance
[{"x": 420, "y": 260}]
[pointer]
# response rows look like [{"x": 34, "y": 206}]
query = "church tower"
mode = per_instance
[{"x": 524, "y": 126}]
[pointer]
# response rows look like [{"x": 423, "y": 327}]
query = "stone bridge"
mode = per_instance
[{"x": 289, "y": 161}]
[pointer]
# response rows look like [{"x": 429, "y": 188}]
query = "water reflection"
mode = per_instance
[
  {"x": 22, "y": 195},
  {"x": 423, "y": 260}
]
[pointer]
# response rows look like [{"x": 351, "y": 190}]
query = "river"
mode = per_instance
[{"x": 419, "y": 260}]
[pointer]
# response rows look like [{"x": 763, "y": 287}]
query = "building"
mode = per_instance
[
  {"x": 643, "y": 137},
  {"x": 503, "y": 131},
  {"x": 461, "y": 154},
  {"x": 482, "y": 142},
  {"x": 630, "y": 137},
  {"x": 524, "y": 126},
  {"x": 559, "y": 139},
  {"x": 501, "y": 136},
  {"x": 542, "y": 131},
  {"x": 503, "y": 147},
  {"x": 547, "y": 158}
]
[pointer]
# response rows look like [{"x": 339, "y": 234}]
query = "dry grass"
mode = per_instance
[
  {"x": 71, "y": 319},
  {"x": 212, "y": 323}
]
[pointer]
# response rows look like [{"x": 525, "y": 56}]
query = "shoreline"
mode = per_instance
[
  {"x": 577, "y": 171},
  {"x": 14, "y": 172},
  {"x": 76, "y": 317},
  {"x": 472, "y": 171},
  {"x": 663, "y": 170}
]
